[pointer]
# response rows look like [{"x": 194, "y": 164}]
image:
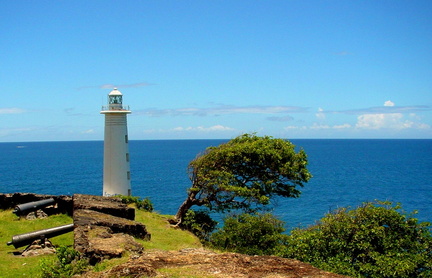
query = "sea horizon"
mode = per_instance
[
  {"x": 209, "y": 139},
  {"x": 346, "y": 172}
]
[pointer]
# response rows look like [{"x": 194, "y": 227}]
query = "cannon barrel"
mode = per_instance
[
  {"x": 28, "y": 238},
  {"x": 32, "y": 206}
]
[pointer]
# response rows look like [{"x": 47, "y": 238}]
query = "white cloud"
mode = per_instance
[
  {"x": 387, "y": 108},
  {"x": 89, "y": 131},
  {"x": 291, "y": 127},
  {"x": 389, "y": 103},
  {"x": 388, "y": 120},
  {"x": 388, "y": 117},
  {"x": 343, "y": 126},
  {"x": 11, "y": 110},
  {"x": 378, "y": 121},
  {"x": 204, "y": 129},
  {"x": 317, "y": 126},
  {"x": 223, "y": 110},
  {"x": 280, "y": 119},
  {"x": 320, "y": 114}
]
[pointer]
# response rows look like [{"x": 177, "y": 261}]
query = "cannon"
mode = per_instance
[
  {"x": 26, "y": 239},
  {"x": 32, "y": 206}
]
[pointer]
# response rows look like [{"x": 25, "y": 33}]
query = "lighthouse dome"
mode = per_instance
[{"x": 115, "y": 92}]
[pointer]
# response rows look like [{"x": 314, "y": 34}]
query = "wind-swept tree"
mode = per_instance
[{"x": 245, "y": 173}]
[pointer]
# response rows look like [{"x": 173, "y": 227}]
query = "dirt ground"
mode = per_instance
[{"x": 204, "y": 263}]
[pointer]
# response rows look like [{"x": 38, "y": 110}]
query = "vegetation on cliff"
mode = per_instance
[{"x": 377, "y": 239}]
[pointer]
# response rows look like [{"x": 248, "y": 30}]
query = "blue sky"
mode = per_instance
[{"x": 217, "y": 69}]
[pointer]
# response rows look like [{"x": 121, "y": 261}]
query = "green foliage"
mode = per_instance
[
  {"x": 199, "y": 223},
  {"x": 67, "y": 264},
  {"x": 375, "y": 240},
  {"x": 143, "y": 204},
  {"x": 245, "y": 173},
  {"x": 253, "y": 234}
]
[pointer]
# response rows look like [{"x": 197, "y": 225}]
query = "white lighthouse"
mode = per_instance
[{"x": 116, "y": 171}]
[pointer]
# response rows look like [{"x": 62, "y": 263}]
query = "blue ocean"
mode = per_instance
[{"x": 345, "y": 173}]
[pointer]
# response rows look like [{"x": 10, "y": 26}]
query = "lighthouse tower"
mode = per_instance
[{"x": 116, "y": 171}]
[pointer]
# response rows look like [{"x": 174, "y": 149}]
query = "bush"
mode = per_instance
[
  {"x": 252, "y": 234},
  {"x": 144, "y": 204},
  {"x": 376, "y": 239},
  {"x": 67, "y": 264},
  {"x": 199, "y": 223}
]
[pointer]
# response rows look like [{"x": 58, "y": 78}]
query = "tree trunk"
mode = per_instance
[{"x": 184, "y": 207}]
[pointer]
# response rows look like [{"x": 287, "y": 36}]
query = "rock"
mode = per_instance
[
  {"x": 39, "y": 214},
  {"x": 98, "y": 243},
  {"x": 108, "y": 205},
  {"x": 39, "y": 247},
  {"x": 84, "y": 217}
]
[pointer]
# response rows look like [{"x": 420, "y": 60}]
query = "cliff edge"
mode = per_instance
[{"x": 205, "y": 263}]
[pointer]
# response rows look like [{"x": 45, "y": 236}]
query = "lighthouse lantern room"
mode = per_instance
[{"x": 116, "y": 166}]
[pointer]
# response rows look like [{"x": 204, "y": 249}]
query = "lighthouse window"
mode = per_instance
[
  {"x": 115, "y": 99},
  {"x": 127, "y": 157},
  {"x": 126, "y": 139},
  {"x": 128, "y": 175}
]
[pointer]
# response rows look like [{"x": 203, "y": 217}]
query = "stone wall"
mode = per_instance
[
  {"x": 105, "y": 227},
  {"x": 63, "y": 202}
]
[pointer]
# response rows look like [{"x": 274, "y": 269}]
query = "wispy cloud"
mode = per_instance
[
  {"x": 12, "y": 111},
  {"x": 222, "y": 110},
  {"x": 133, "y": 85},
  {"x": 111, "y": 86},
  {"x": 280, "y": 119},
  {"x": 316, "y": 126},
  {"x": 205, "y": 129},
  {"x": 88, "y": 131},
  {"x": 387, "y": 109},
  {"x": 5, "y": 132}
]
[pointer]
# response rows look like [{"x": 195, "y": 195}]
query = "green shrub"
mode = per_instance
[
  {"x": 199, "y": 223},
  {"x": 253, "y": 234},
  {"x": 143, "y": 204},
  {"x": 67, "y": 263},
  {"x": 374, "y": 240}
]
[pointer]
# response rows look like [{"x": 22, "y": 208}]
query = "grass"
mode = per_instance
[
  {"x": 10, "y": 225},
  {"x": 163, "y": 237},
  {"x": 182, "y": 272}
]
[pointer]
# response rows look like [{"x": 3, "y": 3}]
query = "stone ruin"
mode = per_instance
[{"x": 104, "y": 227}]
